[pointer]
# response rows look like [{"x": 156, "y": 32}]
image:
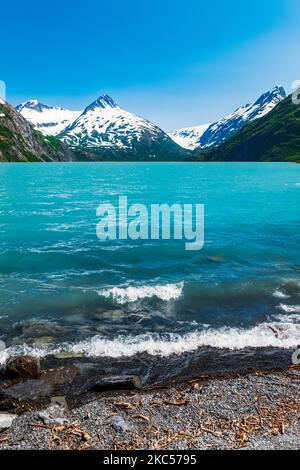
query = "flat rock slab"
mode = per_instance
[
  {"x": 31, "y": 391},
  {"x": 60, "y": 378}
]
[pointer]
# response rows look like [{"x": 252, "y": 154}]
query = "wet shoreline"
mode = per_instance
[{"x": 77, "y": 379}]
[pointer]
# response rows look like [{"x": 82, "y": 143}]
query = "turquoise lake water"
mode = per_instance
[{"x": 62, "y": 289}]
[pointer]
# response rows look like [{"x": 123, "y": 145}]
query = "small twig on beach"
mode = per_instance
[
  {"x": 154, "y": 388},
  {"x": 201, "y": 378},
  {"x": 140, "y": 416},
  {"x": 294, "y": 367},
  {"x": 176, "y": 403},
  {"x": 110, "y": 414},
  {"x": 124, "y": 406},
  {"x": 214, "y": 433},
  {"x": 156, "y": 404},
  {"x": 293, "y": 376}
]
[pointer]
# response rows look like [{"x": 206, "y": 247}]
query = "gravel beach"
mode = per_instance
[{"x": 259, "y": 410}]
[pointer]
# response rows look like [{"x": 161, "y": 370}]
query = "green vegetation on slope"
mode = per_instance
[
  {"x": 20, "y": 142},
  {"x": 157, "y": 152},
  {"x": 272, "y": 138}
]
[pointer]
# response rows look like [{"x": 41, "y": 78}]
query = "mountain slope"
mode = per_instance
[
  {"x": 188, "y": 137},
  {"x": 47, "y": 119},
  {"x": 274, "y": 137},
  {"x": 104, "y": 131},
  {"x": 19, "y": 141},
  {"x": 222, "y": 130}
]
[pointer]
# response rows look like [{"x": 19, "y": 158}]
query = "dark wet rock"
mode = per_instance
[
  {"x": 37, "y": 328},
  {"x": 53, "y": 382},
  {"x": 119, "y": 424},
  {"x": 139, "y": 318},
  {"x": 30, "y": 391},
  {"x": 24, "y": 367},
  {"x": 60, "y": 378},
  {"x": 123, "y": 382},
  {"x": 6, "y": 402},
  {"x": 111, "y": 315},
  {"x": 80, "y": 379},
  {"x": 6, "y": 420},
  {"x": 102, "y": 331}
]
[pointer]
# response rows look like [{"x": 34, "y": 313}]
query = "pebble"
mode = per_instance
[
  {"x": 48, "y": 417},
  {"x": 119, "y": 424},
  {"x": 61, "y": 401},
  {"x": 6, "y": 420}
]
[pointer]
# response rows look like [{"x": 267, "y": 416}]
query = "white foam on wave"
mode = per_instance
[
  {"x": 280, "y": 335},
  {"x": 290, "y": 308},
  {"x": 291, "y": 318},
  {"x": 280, "y": 295},
  {"x": 26, "y": 349},
  {"x": 123, "y": 295},
  {"x": 264, "y": 335}
]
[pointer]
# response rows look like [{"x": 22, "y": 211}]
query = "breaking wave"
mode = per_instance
[
  {"x": 281, "y": 335},
  {"x": 123, "y": 295}
]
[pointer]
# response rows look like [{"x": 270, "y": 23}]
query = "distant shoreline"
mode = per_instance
[{"x": 140, "y": 162}]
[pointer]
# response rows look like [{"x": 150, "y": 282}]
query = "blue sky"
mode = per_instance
[{"x": 177, "y": 63}]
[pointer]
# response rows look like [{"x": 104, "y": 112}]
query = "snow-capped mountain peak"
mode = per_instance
[
  {"x": 32, "y": 104},
  {"x": 104, "y": 126},
  {"x": 270, "y": 99},
  {"x": 47, "y": 119},
  {"x": 105, "y": 101},
  {"x": 220, "y": 131}
]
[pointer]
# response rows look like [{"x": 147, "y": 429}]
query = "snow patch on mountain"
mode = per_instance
[
  {"x": 47, "y": 119},
  {"x": 188, "y": 137}
]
